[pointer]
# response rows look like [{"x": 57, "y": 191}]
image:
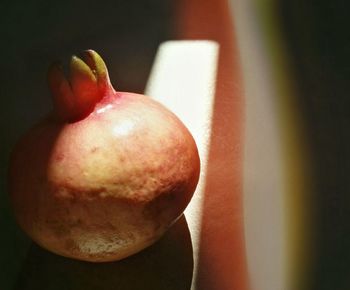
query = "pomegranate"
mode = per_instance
[{"x": 106, "y": 173}]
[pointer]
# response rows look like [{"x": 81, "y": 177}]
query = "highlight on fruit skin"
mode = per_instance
[{"x": 106, "y": 173}]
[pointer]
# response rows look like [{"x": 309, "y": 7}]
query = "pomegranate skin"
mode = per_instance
[{"x": 107, "y": 186}]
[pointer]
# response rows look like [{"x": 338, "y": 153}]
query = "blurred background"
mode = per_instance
[
  {"x": 316, "y": 41},
  {"x": 308, "y": 43}
]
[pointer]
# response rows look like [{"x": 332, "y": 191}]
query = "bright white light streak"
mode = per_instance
[
  {"x": 104, "y": 109},
  {"x": 264, "y": 180},
  {"x": 183, "y": 78}
]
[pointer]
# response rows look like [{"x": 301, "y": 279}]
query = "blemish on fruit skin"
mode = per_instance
[
  {"x": 70, "y": 245},
  {"x": 59, "y": 157},
  {"x": 94, "y": 149},
  {"x": 60, "y": 230}
]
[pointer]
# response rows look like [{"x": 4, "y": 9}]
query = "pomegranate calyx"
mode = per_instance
[
  {"x": 98, "y": 67},
  {"x": 63, "y": 98},
  {"x": 76, "y": 96}
]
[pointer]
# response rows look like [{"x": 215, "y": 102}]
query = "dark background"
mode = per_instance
[
  {"x": 318, "y": 42},
  {"x": 127, "y": 34}
]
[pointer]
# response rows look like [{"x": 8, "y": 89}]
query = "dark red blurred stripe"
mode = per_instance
[{"x": 222, "y": 258}]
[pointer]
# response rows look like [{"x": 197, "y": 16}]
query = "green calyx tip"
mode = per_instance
[
  {"x": 81, "y": 76},
  {"x": 98, "y": 66}
]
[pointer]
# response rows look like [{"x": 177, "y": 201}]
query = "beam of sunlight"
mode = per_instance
[{"x": 183, "y": 78}]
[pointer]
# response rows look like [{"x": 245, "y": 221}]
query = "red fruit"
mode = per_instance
[{"x": 106, "y": 174}]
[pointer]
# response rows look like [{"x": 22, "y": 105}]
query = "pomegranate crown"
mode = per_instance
[{"x": 75, "y": 96}]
